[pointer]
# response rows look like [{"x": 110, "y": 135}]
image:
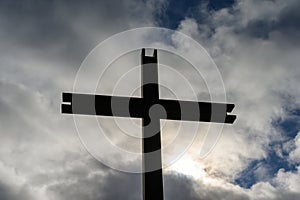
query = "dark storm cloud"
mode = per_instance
[
  {"x": 43, "y": 22},
  {"x": 65, "y": 30},
  {"x": 101, "y": 185},
  {"x": 8, "y": 193},
  {"x": 122, "y": 186},
  {"x": 179, "y": 187}
]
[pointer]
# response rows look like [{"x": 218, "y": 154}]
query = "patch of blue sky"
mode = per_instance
[
  {"x": 176, "y": 11},
  {"x": 277, "y": 156}
]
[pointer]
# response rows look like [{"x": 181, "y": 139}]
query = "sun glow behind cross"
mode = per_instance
[
  {"x": 192, "y": 168},
  {"x": 189, "y": 167}
]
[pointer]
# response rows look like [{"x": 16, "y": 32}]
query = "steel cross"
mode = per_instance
[{"x": 151, "y": 109}]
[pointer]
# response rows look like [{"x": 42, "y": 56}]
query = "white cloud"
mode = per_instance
[{"x": 295, "y": 154}]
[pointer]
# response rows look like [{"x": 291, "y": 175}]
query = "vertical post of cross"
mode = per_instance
[{"x": 152, "y": 164}]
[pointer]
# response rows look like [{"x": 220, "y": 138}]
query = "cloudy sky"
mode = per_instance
[{"x": 255, "y": 45}]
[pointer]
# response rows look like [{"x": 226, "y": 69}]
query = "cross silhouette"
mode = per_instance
[{"x": 150, "y": 108}]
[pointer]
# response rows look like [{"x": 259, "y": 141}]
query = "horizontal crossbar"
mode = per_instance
[{"x": 118, "y": 106}]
